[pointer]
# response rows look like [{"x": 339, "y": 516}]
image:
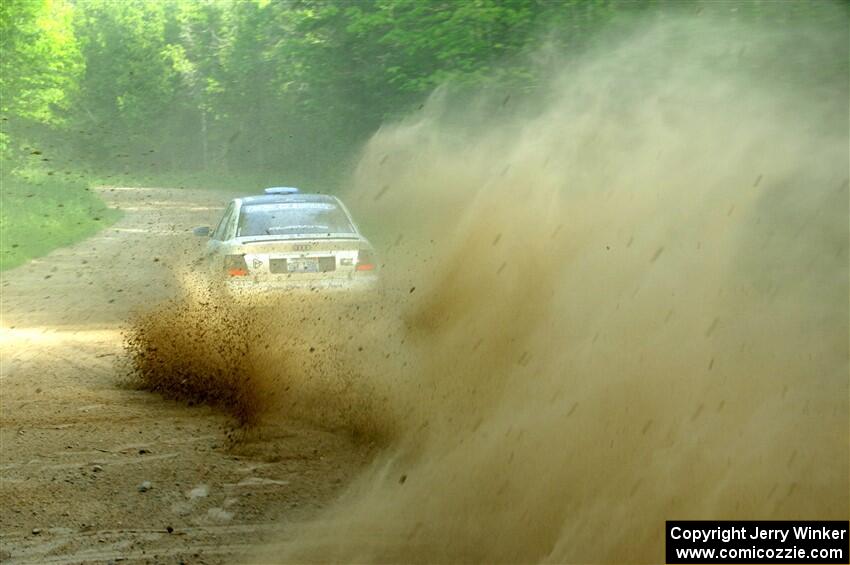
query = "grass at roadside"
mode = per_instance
[{"x": 39, "y": 213}]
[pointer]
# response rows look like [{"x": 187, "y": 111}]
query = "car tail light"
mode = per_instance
[
  {"x": 365, "y": 260},
  {"x": 235, "y": 265}
]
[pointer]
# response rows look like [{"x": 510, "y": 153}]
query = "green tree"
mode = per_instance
[{"x": 39, "y": 65}]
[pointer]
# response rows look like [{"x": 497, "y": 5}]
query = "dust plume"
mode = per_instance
[
  {"x": 258, "y": 358},
  {"x": 199, "y": 349},
  {"x": 620, "y": 300}
]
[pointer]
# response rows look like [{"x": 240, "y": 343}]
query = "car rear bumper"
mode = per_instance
[{"x": 337, "y": 286}]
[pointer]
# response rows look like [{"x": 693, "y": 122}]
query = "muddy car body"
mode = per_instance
[{"x": 288, "y": 241}]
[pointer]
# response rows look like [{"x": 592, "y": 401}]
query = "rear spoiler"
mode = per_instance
[{"x": 272, "y": 239}]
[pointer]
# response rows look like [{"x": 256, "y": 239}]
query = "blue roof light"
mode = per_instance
[{"x": 281, "y": 190}]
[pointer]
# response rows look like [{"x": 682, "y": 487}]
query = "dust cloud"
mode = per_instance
[
  {"x": 618, "y": 301},
  {"x": 198, "y": 348},
  {"x": 301, "y": 356}
]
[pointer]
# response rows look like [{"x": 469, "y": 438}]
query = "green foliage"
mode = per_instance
[
  {"x": 286, "y": 89},
  {"x": 39, "y": 65},
  {"x": 129, "y": 83}
]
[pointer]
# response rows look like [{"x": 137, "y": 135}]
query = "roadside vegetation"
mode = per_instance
[{"x": 40, "y": 213}]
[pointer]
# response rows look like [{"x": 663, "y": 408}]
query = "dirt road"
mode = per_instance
[{"x": 94, "y": 471}]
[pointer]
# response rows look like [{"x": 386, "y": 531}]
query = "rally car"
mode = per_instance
[{"x": 286, "y": 240}]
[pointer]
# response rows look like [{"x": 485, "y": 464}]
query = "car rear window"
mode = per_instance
[{"x": 292, "y": 219}]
